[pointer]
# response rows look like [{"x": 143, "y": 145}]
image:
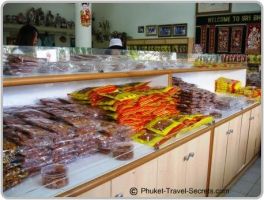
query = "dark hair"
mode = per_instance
[
  {"x": 26, "y": 35},
  {"x": 116, "y": 47}
]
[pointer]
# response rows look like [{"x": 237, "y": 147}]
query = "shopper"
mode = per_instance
[
  {"x": 26, "y": 38},
  {"x": 115, "y": 47}
]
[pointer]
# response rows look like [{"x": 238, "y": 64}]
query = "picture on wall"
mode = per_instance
[
  {"x": 141, "y": 29},
  {"x": 165, "y": 30},
  {"x": 151, "y": 30},
  {"x": 223, "y": 39},
  {"x": 236, "y": 39},
  {"x": 212, "y": 8},
  {"x": 253, "y": 42},
  {"x": 179, "y": 30}
]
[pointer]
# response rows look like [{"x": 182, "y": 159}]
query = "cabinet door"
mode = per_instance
[
  {"x": 231, "y": 165},
  {"x": 197, "y": 165},
  {"x": 102, "y": 191},
  {"x": 242, "y": 148},
  {"x": 172, "y": 170},
  {"x": 218, "y": 157},
  {"x": 144, "y": 176},
  {"x": 257, "y": 122},
  {"x": 252, "y": 136}
]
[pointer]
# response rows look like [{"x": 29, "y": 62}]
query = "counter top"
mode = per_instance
[
  {"x": 87, "y": 173},
  {"x": 40, "y": 79}
]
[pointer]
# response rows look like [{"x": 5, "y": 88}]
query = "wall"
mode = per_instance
[
  {"x": 65, "y": 10},
  {"x": 128, "y": 16},
  {"x": 246, "y": 7}
]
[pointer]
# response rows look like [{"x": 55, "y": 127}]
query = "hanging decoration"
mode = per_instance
[
  {"x": 253, "y": 43},
  {"x": 203, "y": 37},
  {"x": 85, "y": 15},
  {"x": 223, "y": 39},
  {"x": 236, "y": 39},
  {"x": 211, "y": 48}
]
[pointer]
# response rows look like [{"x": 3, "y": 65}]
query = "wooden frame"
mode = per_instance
[
  {"x": 140, "y": 29},
  {"x": 151, "y": 30},
  {"x": 179, "y": 29},
  {"x": 8, "y": 82},
  {"x": 212, "y": 8},
  {"x": 165, "y": 30}
]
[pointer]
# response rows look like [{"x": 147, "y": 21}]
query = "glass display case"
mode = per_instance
[
  {"x": 30, "y": 61},
  {"x": 59, "y": 135}
]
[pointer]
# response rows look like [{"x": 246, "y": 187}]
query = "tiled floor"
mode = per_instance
[{"x": 249, "y": 185}]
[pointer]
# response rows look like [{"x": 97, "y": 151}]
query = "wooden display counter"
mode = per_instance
[
  {"x": 213, "y": 163},
  {"x": 207, "y": 159}
]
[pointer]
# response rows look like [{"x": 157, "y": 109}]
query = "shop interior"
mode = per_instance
[{"x": 180, "y": 98}]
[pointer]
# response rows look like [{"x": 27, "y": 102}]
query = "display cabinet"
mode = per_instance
[
  {"x": 52, "y": 73},
  {"x": 178, "y": 45}
]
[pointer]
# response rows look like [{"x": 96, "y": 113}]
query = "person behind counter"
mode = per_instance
[
  {"x": 115, "y": 47},
  {"x": 26, "y": 38}
]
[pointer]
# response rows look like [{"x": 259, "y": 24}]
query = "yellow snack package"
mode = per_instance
[
  {"x": 147, "y": 137},
  {"x": 162, "y": 125}
]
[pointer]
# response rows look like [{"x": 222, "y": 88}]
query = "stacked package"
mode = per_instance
[
  {"x": 133, "y": 104},
  {"x": 193, "y": 99},
  {"x": 152, "y": 112},
  {"x": 161, "y": 129},
  {"x": 251, "y": 92},
  {"x": 58, "y": 131},
  {"x": 12, "y": 165},
  {"x": 22, "y": 64},
  {"x": 254, "y": 79},
  {"x": 225, "y": 85}
]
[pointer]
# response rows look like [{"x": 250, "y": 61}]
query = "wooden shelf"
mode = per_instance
[
  {"x": 42, "y": 29},
  {"x": 172, "y": 42},
  {"x": 7, "y": 82}
]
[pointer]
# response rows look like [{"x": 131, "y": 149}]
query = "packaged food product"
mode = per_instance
[
  {"x": 54, "y": 176},
  {"x": 227, "y": 85},
  {"x": 161, "y": 126},
  {"x": 123, "y": 151}
]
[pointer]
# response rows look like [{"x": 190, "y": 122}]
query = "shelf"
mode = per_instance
[
  {"x": 41, "y": 29},
  {"x": 160, "y": 41},
  {"x": 7, "y": 82}
]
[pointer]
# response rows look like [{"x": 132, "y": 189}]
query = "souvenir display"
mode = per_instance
[
  {"x": 234, "y": 58},
  {"x": 253, "y": 39},
  {"x": 223, "y": 40},
  {"x": 203, "y": 40},
  {"x": 236, "y": 39},
  {"x": 212, "y": 31}
]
